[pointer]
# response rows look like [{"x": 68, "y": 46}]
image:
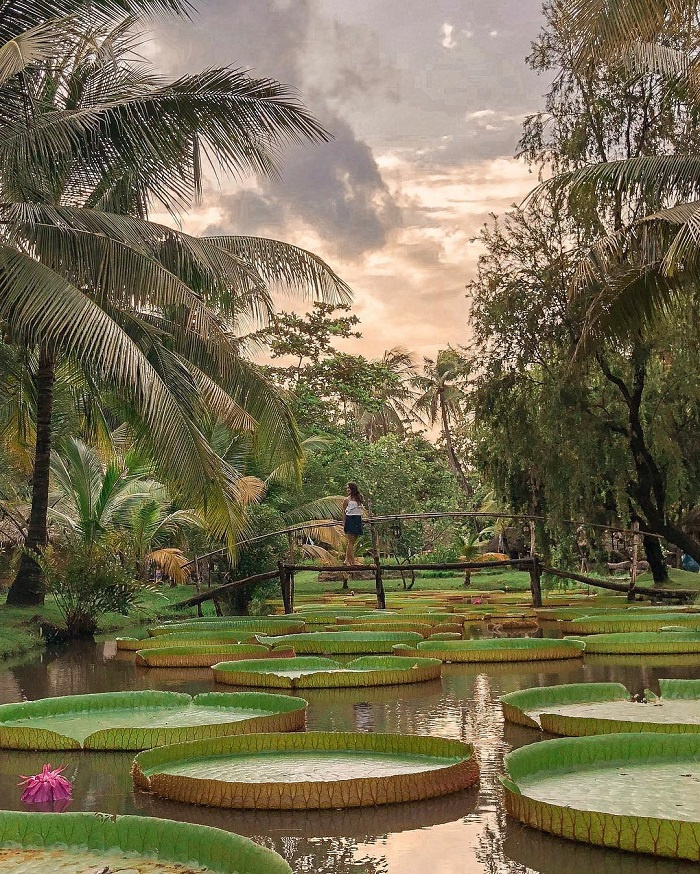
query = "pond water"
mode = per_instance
[{"x": 464, "y": 833}]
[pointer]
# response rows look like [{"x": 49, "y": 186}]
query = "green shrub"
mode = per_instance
[{"x": 87, "y": 581}]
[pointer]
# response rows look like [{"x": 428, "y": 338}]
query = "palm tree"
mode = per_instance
[
  {"x": 393, "y": 403},
  {"x": 90, "y": 140},
  {"x": 633, "y": 274},
  {"x": 121, "y": 501},
  {"x": 440, "y": 398}
]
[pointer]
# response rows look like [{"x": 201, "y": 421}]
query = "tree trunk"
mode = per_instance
[
  {"x": 462, "y": 480},
  {"x": 655, "y": 557},
  {"x": 27, "y": 590}
]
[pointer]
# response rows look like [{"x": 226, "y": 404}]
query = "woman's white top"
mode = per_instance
[{"x": 353, "y": 509}]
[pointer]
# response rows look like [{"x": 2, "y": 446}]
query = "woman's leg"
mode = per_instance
[{"x": 350, "y": 549}]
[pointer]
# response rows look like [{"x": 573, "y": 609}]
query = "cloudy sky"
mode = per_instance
[{"x": 424, "y": 98}]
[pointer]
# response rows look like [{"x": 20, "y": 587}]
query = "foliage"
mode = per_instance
[
  {"x": 609, "y": 437},
  {"x": 87, "y": 580},
  {"x": 145, "y": 311},
  {"x": 256, "y": 558}
]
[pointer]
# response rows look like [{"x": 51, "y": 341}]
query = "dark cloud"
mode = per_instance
[{"x": 335, "y": 188}]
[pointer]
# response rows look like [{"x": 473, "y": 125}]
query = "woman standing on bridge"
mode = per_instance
[{"x": 352, "y": 512}]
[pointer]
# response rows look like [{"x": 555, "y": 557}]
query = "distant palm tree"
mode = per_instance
[
  {"x": 90, "y": 140},
  {"x": 394, "y": 399},
  {"x": 441, "y": 392}
]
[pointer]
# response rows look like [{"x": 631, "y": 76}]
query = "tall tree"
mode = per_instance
[
  {"x": 528, "y": 326},
  {"x": 90, "y": 140},
  {"x": 441, "y": 391}
]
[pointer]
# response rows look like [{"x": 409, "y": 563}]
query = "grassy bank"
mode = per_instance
[{"x": 20, "y": 627}]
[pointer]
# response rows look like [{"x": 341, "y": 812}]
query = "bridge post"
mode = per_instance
[
  {"x": 381, "y": 597},
  {"x": 285, "y": 586},
  {"x": 635, "y": 560},
  {"x": 536, "y": 581}
]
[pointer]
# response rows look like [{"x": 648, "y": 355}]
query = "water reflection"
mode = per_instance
[{"x": 465, "y": 833}]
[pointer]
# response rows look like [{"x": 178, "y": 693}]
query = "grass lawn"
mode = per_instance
[
  {"x": 20, "y": 627},
  {"x": 307, "y": 583}
]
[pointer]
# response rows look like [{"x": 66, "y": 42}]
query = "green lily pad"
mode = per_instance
[
  {"x": 267, "y": 625},
  {"x": 628, "y": 791},
  {"x": 186, "y": 638},
  {"x": 309, "y": 672},
  {"x": 307, "y": 770},
  {"x": 582, "y": 709},
  {"x": 500, "y": 649},
  {"x": 644, "y": 642},
  {"x": 136, "y": 720},
  {"x": 74, "y": 843},
  {"x": 319, "y": 642},
  {"x": 628, "y": 622},
  {"x": 205, "y": 656}
]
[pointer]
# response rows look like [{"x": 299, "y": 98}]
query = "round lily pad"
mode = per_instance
[
  {"x": 186, "y": 638},
  {"x": 207, "y": 655},
  {"x": 628, "y": 622},
  {"x": 307, "y": 770},
  {"x": 309, "y": 672},
  {"x": 137, "y": 720},
  {"x": 581, "y": 709},
  {"x": 499, "y": 649},
  {"x": 644, "y": 642},
  {"x": 320, "y": 642},
  {"x": 418, "y": 627},
  {"x": 74, "y": 843},
  {"x": 627, "y": 791},
  {"x": 267, "y": 625}
]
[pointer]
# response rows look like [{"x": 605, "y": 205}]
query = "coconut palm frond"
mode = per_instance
[
  {"x": 172, "y": 562},
  {"x": 608, "y": 27},
  {"x": 30, "y": 47},
  {"x": 288, "y": 268}
]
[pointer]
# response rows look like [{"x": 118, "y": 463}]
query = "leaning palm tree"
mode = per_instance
[
  {"x": 440, "y": 395},
  {"x": 90, "y": 141}
]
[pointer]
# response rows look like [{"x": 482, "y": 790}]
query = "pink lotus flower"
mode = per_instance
[{"x": 47, "y": 786}]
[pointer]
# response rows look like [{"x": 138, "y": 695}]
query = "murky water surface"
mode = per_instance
[{"x": 464, "y": 833}]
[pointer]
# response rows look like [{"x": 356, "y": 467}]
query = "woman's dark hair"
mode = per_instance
[{"x": 355, "y": 493}]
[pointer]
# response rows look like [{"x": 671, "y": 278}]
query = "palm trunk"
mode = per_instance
[
  {"x": 27, "y": 590},
  {"x": 451, "y": 454}
]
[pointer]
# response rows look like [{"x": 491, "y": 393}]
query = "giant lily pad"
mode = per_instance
[
  {"x": 267, "y": 625},
  {"x": 186, "y": 638},
  {"x": 307, "y": 770},
  {"x": 319, "y": 642},
  {"x": 74, "y": 843},
  {"x": 136, "y": 720},
  {"x": 418, "y": 627},
  {"x": 629, "y": 621},
  {"x": 207, "y": 655},
  {"x": 602, "y": 708},
  {"x": 310, "y": 672},
  {"x": 498, "y": 649},
  {"x": 628, "y": 791},
  {"x": 644, "y": 642}
]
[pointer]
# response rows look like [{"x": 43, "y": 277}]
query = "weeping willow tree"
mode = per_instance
[{"x": 91, "y": 141}]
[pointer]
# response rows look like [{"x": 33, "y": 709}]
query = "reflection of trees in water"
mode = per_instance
[
  {"x": 491, "y": 851},
  {"x": 324, "y": 855},
  {"x": 487, "y": 723},
  {"x": 81, "y": 668}
]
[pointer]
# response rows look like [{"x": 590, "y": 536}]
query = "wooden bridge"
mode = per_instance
[{"x": 286, "y": 570}]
